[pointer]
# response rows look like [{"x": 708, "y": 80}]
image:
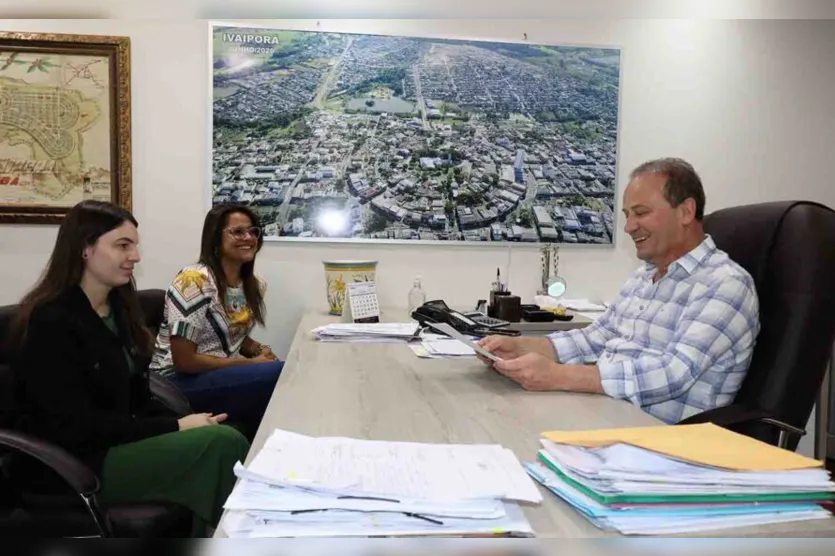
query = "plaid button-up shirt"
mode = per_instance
[{"x": 678, "y": 346}]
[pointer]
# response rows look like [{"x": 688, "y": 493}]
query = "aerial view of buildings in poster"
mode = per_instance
[{"x": 370, "y": 137}]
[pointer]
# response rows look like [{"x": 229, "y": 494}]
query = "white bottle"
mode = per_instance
[{"x": 417, "y": 296}]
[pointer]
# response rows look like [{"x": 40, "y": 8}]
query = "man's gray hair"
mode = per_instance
[{"x": 682, "y": 181}]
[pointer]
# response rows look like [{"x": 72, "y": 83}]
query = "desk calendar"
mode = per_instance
[{"x": 362, "y": 299}]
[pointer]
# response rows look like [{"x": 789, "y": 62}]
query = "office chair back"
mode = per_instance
[{"x": 789, "y": 249}]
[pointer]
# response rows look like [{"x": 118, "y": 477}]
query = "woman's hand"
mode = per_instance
[
  {"x": 268, "y": 353},
  {"x": 197, "y": 420},
  {"x": 261, "y": 358}
]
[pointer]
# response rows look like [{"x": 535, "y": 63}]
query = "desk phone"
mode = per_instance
[{"x": 438, "y": 311}]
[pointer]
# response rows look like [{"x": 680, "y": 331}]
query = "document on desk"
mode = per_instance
[
  {"x": 392, "y": 470},
  {"x": 447, "y": 329},
  {"x": 257, "y": 496},
  {"x": 448, "y": 348},
  {"x": 705, "y": 444},
  {"x": 350, "y": 524},
  {"x": 631, "y": 468},
  {"x": 366, "y": 332},
  {"x": 669, "y": 519}
]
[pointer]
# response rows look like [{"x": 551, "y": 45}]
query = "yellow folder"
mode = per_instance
[{"x": 704, "y": 443}]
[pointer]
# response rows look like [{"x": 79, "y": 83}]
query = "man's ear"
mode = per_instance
[{"x": 687, "y": 210}]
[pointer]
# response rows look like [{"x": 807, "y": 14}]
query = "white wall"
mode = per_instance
[{"x": 747, "y": 102}]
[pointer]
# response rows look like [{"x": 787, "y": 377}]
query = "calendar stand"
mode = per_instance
[{"x": 363, "y": 303}]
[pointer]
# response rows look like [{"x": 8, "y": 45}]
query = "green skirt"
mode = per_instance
[{"x": 192, "y": 468}]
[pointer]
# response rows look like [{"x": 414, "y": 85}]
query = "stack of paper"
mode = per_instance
[
  {"x": 300, "y": 486},
  {"x": 680, "y": 479},
  {"x": 367, "y": 332},
  {"x": 580, "y": 305},
  {"x": 441, "y": 348}
]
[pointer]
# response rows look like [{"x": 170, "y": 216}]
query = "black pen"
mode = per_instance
[
  {"x": 348, "y": 497},
  {"x": 423, "y": 517},
  {"x": 407, "y": 514}
]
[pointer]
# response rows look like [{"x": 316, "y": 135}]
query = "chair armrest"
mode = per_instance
[
  {"x": 734, "y": 414},
  {"x": 168, "y": 394},
  {"x": 77, "y": 475}
]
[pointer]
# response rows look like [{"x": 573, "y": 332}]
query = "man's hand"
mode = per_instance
[
  {"x": 538, "y": 373},
  {"x": 533, "y": 372},
  {"x": 512, "y": 347}
]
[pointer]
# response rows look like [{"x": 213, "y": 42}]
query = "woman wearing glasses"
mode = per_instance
[{"x": 204, "y": 344}]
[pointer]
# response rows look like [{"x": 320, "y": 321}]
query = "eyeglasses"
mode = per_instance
[{"x": 241, "y": 233}]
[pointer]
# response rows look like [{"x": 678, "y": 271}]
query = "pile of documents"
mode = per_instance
[
  {"x": 450, "y": 343},
  {"x": 577, "y": 305},
  {"x": 680, "y": 479},
  {"x": 442, "y": 348},
  {"x": 367, "y": 332},
  {"x": 301, "y": 486}
]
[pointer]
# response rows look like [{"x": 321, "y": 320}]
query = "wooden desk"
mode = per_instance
[{"x": 385, "y": 392}]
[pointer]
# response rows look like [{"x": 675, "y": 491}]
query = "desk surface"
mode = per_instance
[{"x": 385, "y": 392}]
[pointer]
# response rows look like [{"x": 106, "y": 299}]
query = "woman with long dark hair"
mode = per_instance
[
  {"x": 81, "y": 375},
  {"x": 204, "y": 344}
]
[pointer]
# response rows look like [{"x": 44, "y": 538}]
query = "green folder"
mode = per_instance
[{"x": 686, "y": 498}]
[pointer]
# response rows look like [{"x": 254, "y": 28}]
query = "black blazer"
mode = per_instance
[{"x": 74, "y": 386}]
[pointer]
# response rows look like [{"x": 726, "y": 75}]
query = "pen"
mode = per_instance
[
  {"x": 348, "y": 497},
  {"x": 423, "y": 517},
  {"x": 407, "y": 514}
]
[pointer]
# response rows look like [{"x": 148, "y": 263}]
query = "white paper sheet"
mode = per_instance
[
  {"x": 633, "y": 469},
  {"x": 366, "y": 332},
  {"x": 254, "y": 495},
  {"x": 393, "y": 469},
  {"x": 242, "y": 524},
  {"x": 447, "y": 329},
  {"x": 448, "y": 347}
]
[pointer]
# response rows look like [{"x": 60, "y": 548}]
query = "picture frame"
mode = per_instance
[
  {"x": 333, "y": 137},
  {"x": 65, "y": 124}
]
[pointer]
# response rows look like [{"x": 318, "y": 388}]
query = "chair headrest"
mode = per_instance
[
  {"x": 748, "y": 233},
  {"x": 152, "y": 302}
]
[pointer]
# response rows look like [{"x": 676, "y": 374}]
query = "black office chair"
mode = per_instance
[
  {"x": 152, "y": 302},
  {"x": 76, "y": 512},
  {"x": 789, "y": 249}
]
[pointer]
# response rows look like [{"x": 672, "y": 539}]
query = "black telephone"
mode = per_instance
[{"x": 438, "y": 311}]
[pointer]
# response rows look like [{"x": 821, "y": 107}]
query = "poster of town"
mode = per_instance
[{"x": 332, "y": 136}]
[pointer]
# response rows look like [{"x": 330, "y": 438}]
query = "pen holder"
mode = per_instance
[
  {"x": 493, "y": 307},
  {"x": 509, "y": 308}
]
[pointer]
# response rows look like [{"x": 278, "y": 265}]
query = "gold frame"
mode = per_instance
[{"x": 117, "y": 50}]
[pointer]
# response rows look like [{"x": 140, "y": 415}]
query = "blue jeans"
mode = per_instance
[{"x": 242, "y": 392}]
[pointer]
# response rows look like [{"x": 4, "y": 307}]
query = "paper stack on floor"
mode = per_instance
[
  {"x": 300, "y": 486},
  {"x": 659, "y": 480}
]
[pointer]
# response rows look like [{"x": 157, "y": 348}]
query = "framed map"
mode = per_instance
[
  {"x": 350, "y": 137},
  {"x": 65, "y": 124}
]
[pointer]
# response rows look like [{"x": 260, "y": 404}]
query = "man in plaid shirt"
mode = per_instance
[{"x": 679, "y": 337}]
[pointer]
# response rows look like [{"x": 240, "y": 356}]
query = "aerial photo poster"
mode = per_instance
[{"x": 379, "y": 138}]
